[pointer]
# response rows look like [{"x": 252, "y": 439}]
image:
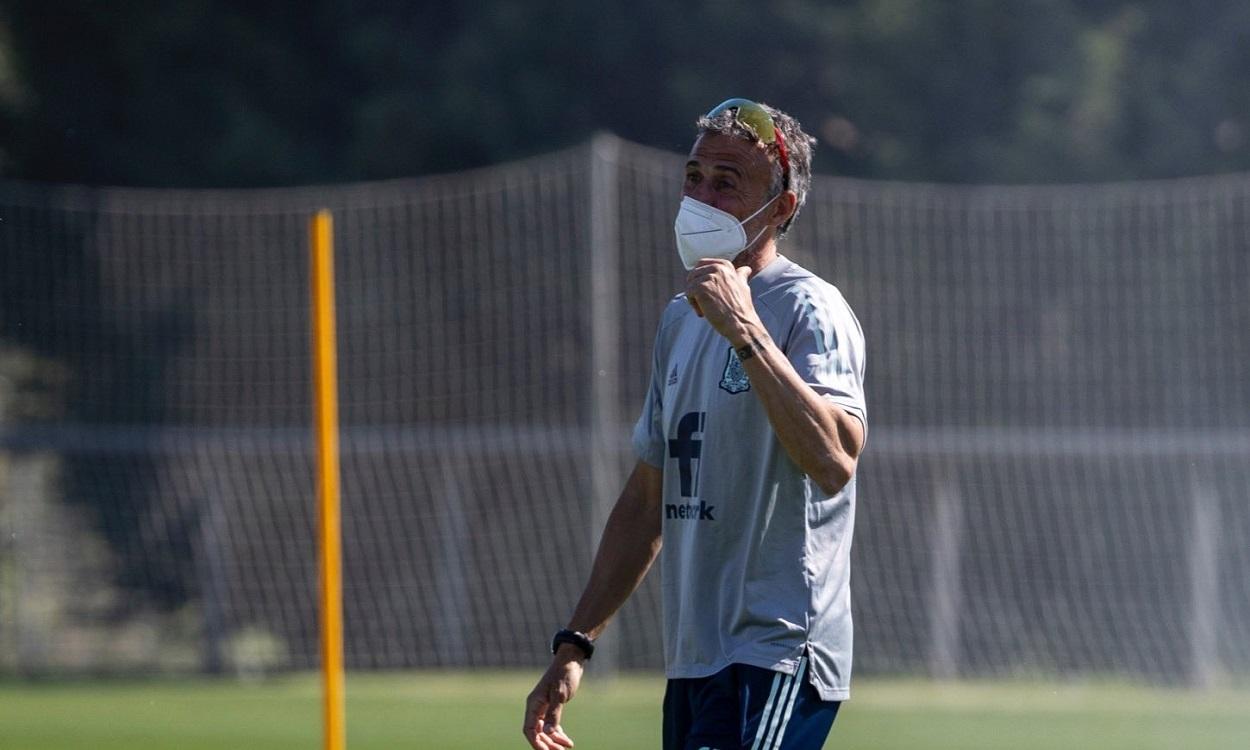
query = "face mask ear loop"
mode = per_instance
[
  {"x": 757, "y": 236},
  {"x": 761, "y": 208},
  {"x": 752, "y": 216}
]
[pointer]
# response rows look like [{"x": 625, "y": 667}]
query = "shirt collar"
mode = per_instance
[{"x": 770, "y": 273}]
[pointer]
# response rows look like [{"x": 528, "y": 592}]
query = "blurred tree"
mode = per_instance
[{"x": 223, "y": 92}]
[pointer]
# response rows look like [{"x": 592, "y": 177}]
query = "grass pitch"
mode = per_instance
[{"x": 480, "y": 711}]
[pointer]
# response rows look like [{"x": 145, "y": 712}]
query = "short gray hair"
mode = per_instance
[{"x": 798, "y": 150}]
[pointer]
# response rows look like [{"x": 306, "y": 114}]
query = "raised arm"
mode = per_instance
[
  {"x": 822, "y": 438},
  {"x": 630, "y": 542}
]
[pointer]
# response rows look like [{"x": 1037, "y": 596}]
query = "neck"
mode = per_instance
[{"x": 758, "y": 257}]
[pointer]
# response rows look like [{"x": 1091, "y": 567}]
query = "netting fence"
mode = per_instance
[{"x": 1057, "y": 478}]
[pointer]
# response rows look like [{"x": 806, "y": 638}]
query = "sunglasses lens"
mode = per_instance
[{"x": 750, "y": 114}]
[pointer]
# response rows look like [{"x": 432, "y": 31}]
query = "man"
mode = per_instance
[{"x": 747, "y": 448}]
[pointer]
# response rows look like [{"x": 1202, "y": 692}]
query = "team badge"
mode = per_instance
[{"x": 735, "y": 378}]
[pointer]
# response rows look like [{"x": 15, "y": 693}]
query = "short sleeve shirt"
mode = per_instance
[{"x": 756, "y": 557}]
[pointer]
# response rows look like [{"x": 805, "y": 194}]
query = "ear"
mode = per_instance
[{"x": 787, "y": 203}]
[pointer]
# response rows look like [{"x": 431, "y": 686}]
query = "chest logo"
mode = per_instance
[
  {"x": 735, "y": 379},
  {"x": 688, "y": 450}
]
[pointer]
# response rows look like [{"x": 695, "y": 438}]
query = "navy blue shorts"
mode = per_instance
[{"x": 747, "y": 708}]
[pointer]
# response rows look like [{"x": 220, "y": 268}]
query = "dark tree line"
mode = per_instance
[{"x": 232, "y": 93}]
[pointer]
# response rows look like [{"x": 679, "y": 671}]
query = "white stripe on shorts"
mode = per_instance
[
  {"x": 768, "y": 707},
  {"x": 798, "y": 685},
  {"x": 787, "y": 694},
  {"x": 785, "y": 704}
]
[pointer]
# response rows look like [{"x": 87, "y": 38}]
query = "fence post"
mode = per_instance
[
  {"x": 29, "y": 639},
  {"x": 945, "y": 589},
  {"x": 10, "y": 570},
  {"x": 453, "y": 534},
  {"x": 605, "y": 334},
  {"x": 1204, "y": 584},
  {"x": 210, "y": 569}
]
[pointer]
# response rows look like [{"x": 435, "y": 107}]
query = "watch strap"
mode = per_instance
[{"x": 581, "y": 640}]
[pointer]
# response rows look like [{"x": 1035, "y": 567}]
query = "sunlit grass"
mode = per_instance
[{"x": 484, "y": 710}]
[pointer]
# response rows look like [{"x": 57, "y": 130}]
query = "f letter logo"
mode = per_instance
[{"x": 687, "y": 450}]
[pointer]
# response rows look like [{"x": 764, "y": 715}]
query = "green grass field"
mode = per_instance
[{"x": 483, "y": 710}]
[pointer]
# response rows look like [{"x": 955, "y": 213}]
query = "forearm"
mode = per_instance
[
  {"x": 630, "y": 543},
  {"x": 818, "y": 436}
]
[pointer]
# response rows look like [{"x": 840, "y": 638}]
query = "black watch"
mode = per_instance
[{"x": 581, "y": 640}]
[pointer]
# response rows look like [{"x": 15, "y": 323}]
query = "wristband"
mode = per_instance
[{"x": 581, "y": 640}]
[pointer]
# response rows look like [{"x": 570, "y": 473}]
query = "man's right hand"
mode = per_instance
[
  {"x": 546, "y": 701},
  {"x": 630, "y": 542}
]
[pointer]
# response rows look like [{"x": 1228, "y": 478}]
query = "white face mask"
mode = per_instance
[{"x": 705, "y": 231}]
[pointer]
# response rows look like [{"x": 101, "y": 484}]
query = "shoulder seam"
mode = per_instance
[{"x": 679, "y": 298}]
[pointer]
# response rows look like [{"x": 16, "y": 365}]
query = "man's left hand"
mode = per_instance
[{"x": 720, "y": 293}]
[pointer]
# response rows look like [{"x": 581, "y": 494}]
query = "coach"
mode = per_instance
[{"x": 745, "y": 482}]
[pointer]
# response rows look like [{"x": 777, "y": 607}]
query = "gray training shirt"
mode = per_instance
[{"x": 756, "y": 557}]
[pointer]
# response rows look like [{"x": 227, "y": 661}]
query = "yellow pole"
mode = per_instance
[{"x": 325, "y": 380}]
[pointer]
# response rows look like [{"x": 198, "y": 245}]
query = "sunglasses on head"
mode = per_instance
[{"x": 757, "y": 119}]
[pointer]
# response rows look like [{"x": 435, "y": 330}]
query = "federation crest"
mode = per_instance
[{"x": 735, "y": 379}]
